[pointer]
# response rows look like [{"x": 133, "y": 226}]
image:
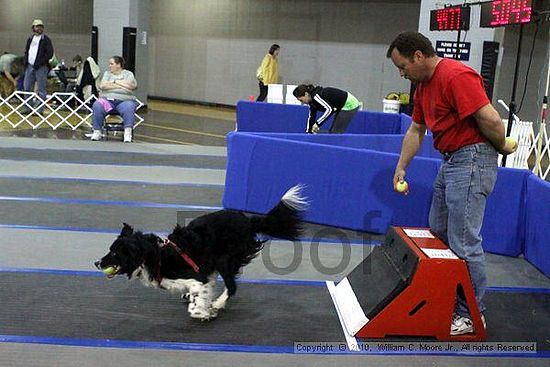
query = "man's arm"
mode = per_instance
[
  {"x": 311, "y": 120},
  {"x": 49, "y": 48},
  {"x": 9, "y": 76},
  {"x": 491, "y": 126},
  {"x": 411, "y": 143}
]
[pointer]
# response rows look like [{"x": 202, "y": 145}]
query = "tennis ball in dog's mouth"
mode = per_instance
[{"x": 109, "y": 271}]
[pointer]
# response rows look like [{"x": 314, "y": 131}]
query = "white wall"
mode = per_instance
[{"x": 209, "y": 51}]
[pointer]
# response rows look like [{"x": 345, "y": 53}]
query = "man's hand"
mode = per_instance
[
  {"x": 315, "y": 129},
  {"x": 510, "y": 146},
  {"x": 398, "y": 177}
]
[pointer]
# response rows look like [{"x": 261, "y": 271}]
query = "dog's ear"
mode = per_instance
[{"x": 127, "y": 230}]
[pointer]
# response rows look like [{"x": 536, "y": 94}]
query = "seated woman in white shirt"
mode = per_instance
[{"x": 116, "y": 93}]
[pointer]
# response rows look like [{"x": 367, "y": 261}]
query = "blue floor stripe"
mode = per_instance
[
  {"x": 109, "y": 343},
  {"x": 235, "y": 348},
  {"x": 97, "y": 273},
  {"x": 113, "y": 182},
  {"x": 79, "y": 273},
  {"x": 67, "y": 229},
  {"x": 135, "y": 204},
  {"x": 519, "y": 290},
  {"x": 287, "y": 282}
]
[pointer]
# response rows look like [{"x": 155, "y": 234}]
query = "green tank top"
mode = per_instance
[{"x": 351, "y": 103}]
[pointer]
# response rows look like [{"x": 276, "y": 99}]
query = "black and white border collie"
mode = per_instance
[{"x": 189, "y": 261}]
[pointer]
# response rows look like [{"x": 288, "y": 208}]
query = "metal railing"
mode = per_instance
[
  {"x": 533, "y": 151},
  {"x": 57, "y": 110}
]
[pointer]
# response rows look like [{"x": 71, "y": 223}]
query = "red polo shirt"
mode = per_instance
[{"x": 447, "y": 102}]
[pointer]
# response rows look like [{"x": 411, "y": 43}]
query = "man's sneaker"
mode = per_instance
[
  {"x": 128, "y": 134},
  {"x": 463, "y": 325},
  {"x": 96, "y": 135}
]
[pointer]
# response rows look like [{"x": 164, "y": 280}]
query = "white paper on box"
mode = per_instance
[{"x": 418, "y": 233}]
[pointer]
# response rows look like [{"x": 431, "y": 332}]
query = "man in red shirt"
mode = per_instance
[{"x": 450, "y": 101}]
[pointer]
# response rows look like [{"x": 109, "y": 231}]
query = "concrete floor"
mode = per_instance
[{"x": 64, "y": 198}]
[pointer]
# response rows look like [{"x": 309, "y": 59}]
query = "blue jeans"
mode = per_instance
[
  {"x": 38, "y": 76},
  {"x": 463, "y": 183},
  {"x": 126, "y": 109}
]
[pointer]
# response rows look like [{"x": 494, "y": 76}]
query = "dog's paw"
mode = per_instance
[
  {"x": 186, "y": 297},
  {"x": 202, "y": 315},
  {"x": 213, "y": 313},
  {"x": 197, "y": 312},
  {"x": 221, "y": 301}
]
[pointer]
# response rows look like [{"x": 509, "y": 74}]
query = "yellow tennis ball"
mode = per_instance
[
  {"x": 402, "y": 186},
  {"x": 109, "y": 271},
  {"x": 511, "y": 143}
]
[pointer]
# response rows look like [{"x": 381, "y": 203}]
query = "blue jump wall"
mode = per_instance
[
  {"x": 277, "y": 118},
  {"x": 348, "y": 180}
]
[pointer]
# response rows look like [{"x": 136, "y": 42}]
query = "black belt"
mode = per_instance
[
  {"x": 476, "y": 146},
  {"x": 447, "y": 156}
]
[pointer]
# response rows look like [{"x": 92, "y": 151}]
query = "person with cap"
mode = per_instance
[{"x": 38, "y": 52}]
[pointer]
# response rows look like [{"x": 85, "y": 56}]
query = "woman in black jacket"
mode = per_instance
[{"x": 330, "y": 101}]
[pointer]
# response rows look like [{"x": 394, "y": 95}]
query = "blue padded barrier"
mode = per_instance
[
  {"x": 383, "y": 143},
  {"x": 537, "y": 223},
  {"x": 503, "y": 228},
  {"x": 350, "y": 186},
  {"x": 375, "y": 123},
  {"x": 347, "y": 187},
  {"x": 271, "y": 117},
  {"x": 282, "y": 118}
]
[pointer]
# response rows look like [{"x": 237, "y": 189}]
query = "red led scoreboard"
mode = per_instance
[
  {"x": 452, "y": 18},
  {"x": 499, "y": 13},
  {"x": 495, "y": 13}
]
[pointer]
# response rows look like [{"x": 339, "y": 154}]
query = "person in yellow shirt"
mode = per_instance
[{"x": 268, "y": 72}]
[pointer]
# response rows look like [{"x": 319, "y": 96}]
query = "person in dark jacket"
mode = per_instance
[
  {"x": 38, "y": 52},
  {"x": 329, "y": 101}
]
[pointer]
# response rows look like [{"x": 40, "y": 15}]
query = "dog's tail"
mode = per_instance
[{"x": 285, "y": 219}]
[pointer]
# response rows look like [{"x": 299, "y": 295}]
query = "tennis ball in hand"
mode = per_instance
[
  {"x": 511, "y": 144},
  {"x": 109, "y": 271},
  {"x": 402, "y": 186}
]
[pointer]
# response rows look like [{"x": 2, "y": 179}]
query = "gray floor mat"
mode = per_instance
[
  {"x": 92, "y": 307},
  {"x": 111, "y": 191},
  {"x": 120, "y": 158},
  {"x": 260, "y": 314}
]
